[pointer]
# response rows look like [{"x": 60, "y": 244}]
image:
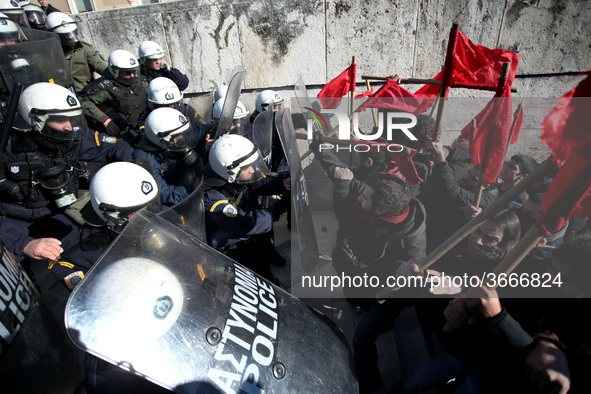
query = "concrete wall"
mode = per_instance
[{"x": 277, "y": 41}]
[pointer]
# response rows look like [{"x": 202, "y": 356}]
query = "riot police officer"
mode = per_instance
[
  {"x": 116, "y": 100},
  {"x": 234, "y": 163},
  {"x": 174, "y": 149},
  {"x": 41, "y": 165},
  {"x": 153, "y": 65},
  {"x": 36, "y": 16},
  {"x": 82, "y": 58}
]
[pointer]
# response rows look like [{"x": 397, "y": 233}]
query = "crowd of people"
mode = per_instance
[{"x": 81, "y": 160}]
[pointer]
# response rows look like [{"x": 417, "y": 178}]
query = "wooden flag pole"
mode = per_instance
[
  {"x": 373, "y": 110},
  {"x": 352, "y": 106},
  {"x": 420, "y": 81},
  {"x": 447, "y": 70}
]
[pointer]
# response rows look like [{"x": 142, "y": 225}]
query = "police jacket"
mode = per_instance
[
  {"x": 227, "y": 217},
  {"x": 32, "y": 164},
  {"x": 180, "y": 79},
  {"x": 83, "y": 60},
  {"x": 166, "y": 169},
  {"x": 106, "y": 98}
]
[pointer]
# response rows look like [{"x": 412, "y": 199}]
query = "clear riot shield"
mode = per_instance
[
  {"x": 36, "y": 355},
  {"x": 262, "y": 133},
  {"x": 303, "y": 105},
  {"x": 175, "y": 311},
  {"x": 202, "y": 106},
  {"x": 40, "y": 59},
  {"x": 189, "y": 214},
  {"x": 231, "y": 100},
  {"x": 303, "y": 235}
]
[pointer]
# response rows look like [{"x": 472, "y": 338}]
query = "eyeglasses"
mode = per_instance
[{"x": 127, "y": 73}]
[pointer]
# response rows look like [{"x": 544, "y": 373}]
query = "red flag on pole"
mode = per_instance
[
  {"x": 332, "y": 93},
  {"x": 488, "y": 140},
  {"x": 475, "y": 65},
  {"x": 569, "y": 195},
  {"x": 394, "y": 96},
  {"x": 568, "y": 123}
]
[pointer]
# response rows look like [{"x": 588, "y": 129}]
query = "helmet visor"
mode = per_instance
[
  {"x": 37, "y": 19},
  {"x": 276, "y": 106},
  {"x": 69, "y": 38},
  {"x": 65, "y": 127},
  {"x": 240, "y": 126},
  {"x": 252, "y": 167},
  {"x": 180, "y": 140},
  {"x": 17, "y": 16}
]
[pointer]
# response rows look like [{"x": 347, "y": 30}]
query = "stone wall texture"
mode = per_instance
[{"x": 279, "y": 41}]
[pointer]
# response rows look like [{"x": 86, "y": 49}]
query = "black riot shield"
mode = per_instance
[
  {"x": 39, "y": 59},
  {"x": 303, "y": 235},
  {"x": 231, "y": 100},
  {"x": 36, "y": 355},
  {"x": 189, "y": 214},
  {"x": 189, "y": 319},
  {"x": 262, "y": 133}
]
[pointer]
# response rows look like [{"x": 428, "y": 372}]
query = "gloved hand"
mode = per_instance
[
  {"x": 350, "y": 256},
  {"x": 281, "y": 206},
  {"x": 315, "y": 144}
]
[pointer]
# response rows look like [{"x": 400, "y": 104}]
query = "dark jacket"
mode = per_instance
[{"x": 180, "y": 79}]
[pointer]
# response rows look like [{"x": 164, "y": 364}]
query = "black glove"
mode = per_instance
[
  {"x": 281, "y": 206},
  {"x": 315, "y": 144},
  {"x": 350, "y": 255}
]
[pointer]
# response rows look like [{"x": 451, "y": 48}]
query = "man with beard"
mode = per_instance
[
  {"x": 116, "y": 101},
  {"x": 83, "y": 59}
]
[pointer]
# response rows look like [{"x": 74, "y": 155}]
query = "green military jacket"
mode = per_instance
[{"x": 83, "y": 61}]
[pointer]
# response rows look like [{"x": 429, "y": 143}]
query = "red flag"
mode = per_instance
[
  {"x": 331, "y": 94},
  {"x": 475, "y": 65},
  {"x": 365, "y": 94},
  {"x": 569, "y": 195},
  {"x": 518, "y": 119},
  {"x": 406, "y": 167},
  {"x": 394, "y": 96},
  {"x": 488, "y": 140},
  {"x": 568, "y": 123}
]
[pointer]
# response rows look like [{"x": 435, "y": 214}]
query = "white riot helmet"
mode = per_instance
[
  {"x": 265, "y": 98},
  {"x": 169, "y": 129},
  {"x": 14, "y": 12},
  {"x": 64, "y": 26},
  {"x": 36, "y": 16},
  {"x": 163, "y": 92},
  {"x": 220, "y": 92},
  {"x": 10, "y": 32},
  {"x": 240, "y": 119},
  {"x": 122, "y": 62},
  {"x": 236, "y": 159},
  {"x": 143, "y": 299},
  {"x": 43, "y": 103},
  {"x": 150, "y": 50},
  {"x": 120, "y": 189}
]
